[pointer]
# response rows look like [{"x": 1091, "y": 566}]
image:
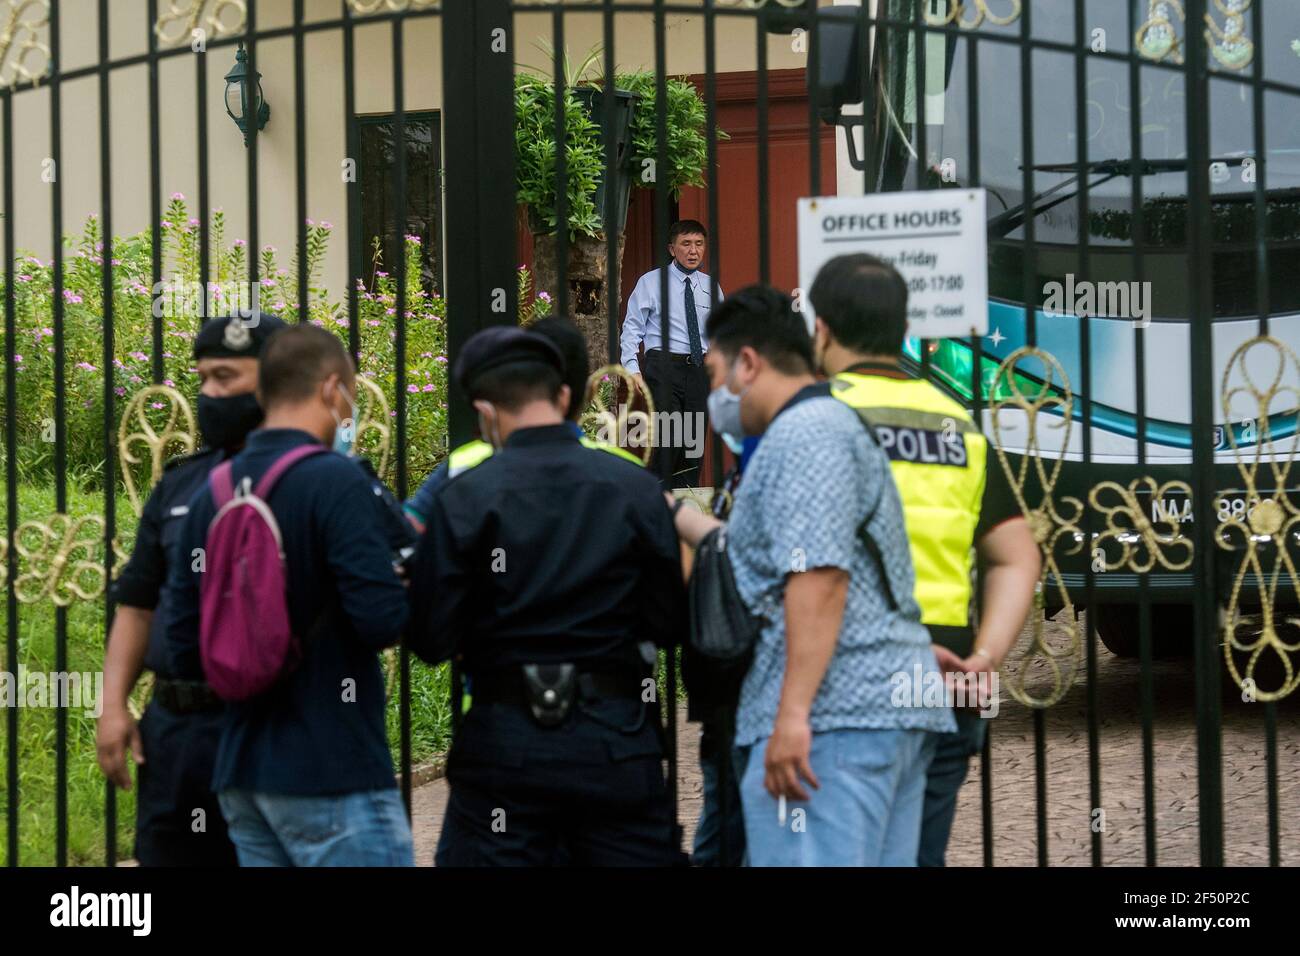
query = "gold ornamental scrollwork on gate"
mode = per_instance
[
  {"x": 1158, "y": 37},
  {"x": 363, "y": 8},
  {"x": 623, "y": 426},
  {"x": 176, "y": 436},
  {"x": 60, "y": 559},
  {"x": 24, "y": 54},
  {"x": 1053, "y": 519},
  {"x": 1143, "y": 543},
  {"x": 980, "y": 11},
  {"x": 182, "y": 18},
  {"x": 1266, "y": 531},
  {"x": 372, "y": 418}
]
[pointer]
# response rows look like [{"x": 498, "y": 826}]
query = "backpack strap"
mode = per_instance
[
  {"x": 223, "y": 486},
  {"x": 283, "y": 464}
]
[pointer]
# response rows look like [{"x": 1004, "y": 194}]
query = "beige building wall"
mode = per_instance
[{"x": 737, "y": 41}]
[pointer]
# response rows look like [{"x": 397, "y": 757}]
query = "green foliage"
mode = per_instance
[
  {"x": 535, "y": 156},
  {"x": 686, "y": 147},
  {"x": 687, "y": 123},
  {"x": 129, "y": 355},
  {"x": 531, "y": 306}
]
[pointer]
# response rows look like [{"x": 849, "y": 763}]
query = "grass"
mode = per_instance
[{"x": 37, "y": 806}]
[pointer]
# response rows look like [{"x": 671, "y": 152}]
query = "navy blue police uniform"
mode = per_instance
[
  {"x": 178, "y": 820},
  {"x": 552, "y": 571}
]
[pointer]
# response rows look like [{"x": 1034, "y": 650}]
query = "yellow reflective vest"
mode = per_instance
[
  {"x": 938, "y": 457},
  {"x": 478, "y": 451}
]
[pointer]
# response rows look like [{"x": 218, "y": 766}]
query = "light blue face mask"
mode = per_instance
[
  {"x": 724, "y": 414},
  {"x": 345, "y": 432}
]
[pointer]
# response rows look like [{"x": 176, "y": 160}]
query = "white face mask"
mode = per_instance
[
  {"x": 724, "y": 412},
  {"x": 490, "y": 433}
]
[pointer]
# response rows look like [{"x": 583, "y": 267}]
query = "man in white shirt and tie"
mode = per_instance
[{"x": 674, "y": 373}]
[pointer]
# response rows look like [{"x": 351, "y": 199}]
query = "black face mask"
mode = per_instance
[{"x": 226, "y": 422}]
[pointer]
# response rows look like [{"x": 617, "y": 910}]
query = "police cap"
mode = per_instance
[
  {"x": 500, "y": 344},
  {"x": 233, "y": 336}
]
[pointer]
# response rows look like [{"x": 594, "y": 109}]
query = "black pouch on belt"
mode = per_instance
[{"x": 551, "y": 690}]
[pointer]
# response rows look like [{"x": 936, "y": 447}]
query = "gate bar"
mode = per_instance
[
  {"x": 11, "y": 477},
  {"x": 1209, "y": 751}
]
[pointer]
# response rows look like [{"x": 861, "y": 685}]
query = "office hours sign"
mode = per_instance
[{"x": 937, "y": 239}]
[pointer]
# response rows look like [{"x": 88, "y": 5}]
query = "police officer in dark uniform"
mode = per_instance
[
  {"x": 178, "y": 821},
  {"x": 550, "y": 570}
]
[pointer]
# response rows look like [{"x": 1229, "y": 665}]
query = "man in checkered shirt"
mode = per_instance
[{"x": 835, "y": 765}]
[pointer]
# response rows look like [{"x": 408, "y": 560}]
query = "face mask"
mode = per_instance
[
  {"x": 345, "y": 429},
  {"x": 724, "y": 413},
  {"x": 737, "y": 448},
  {"x": 226, "y": 422},
  {"x": 490, "y": 433}
]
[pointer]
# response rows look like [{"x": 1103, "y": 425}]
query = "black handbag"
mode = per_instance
[{"x": 722, "y": 627}]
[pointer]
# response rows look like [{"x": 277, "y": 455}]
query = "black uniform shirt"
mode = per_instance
[
  {"x": 141, "y": 581},
  {"x": 548, "y": 552}
]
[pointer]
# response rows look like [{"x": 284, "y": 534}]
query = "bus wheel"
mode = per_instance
[{"x": 1118, "y": 627}]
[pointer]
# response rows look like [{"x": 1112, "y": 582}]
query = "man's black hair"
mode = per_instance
[
  {"x": 568, "y": 338},
  {"x": 863, "y": 301},
  {"x": 764, "y": 319},
  {"x": 512, "y": 385},
  {"x": 686, "y": 227},
  {"x": 296, "y": 360}
]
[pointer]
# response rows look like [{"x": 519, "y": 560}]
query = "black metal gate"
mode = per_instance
[{"x": 1146, "y": 143}]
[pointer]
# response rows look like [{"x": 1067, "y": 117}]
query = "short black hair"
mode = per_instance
[
  {"x": 863, "y": 301},
  {"x": 766, "y": 320},
  {"x": 687, "y": 227},
  {"x": 512, "y": 385},
  {"x": 568, "y": 338},
  {"x": 296, "y": 360}
]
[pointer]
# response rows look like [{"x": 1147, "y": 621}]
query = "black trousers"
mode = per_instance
[
  {"x": 589, "y": 792},
  {"x": 683, "y": 389},
  {"x": 178, "y": 819}
]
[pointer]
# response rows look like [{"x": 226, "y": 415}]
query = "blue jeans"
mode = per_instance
[
  {"x": 866, "y": 813},
  {"x": 946, "y": 775},
  {"x": 366, "y": 828}
]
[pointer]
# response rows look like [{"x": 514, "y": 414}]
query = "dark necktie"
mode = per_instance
[{"x": 693, "y": 326}]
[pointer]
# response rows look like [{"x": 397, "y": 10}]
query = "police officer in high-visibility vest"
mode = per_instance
[
  {"x": 568, "y": 338},
  {"x": 954, "y": 495}
]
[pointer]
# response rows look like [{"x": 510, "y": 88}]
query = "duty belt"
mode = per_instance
[
  {"x": 510, "y": 686},
  {"x": 187, "y": 696}
]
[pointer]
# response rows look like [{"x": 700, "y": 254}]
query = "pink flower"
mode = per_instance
[
  {"x": 87, "y": 366},
  {"x": 139, "y": 356},
  {"x": 18, "y": 359},
  {"x": 412, "y": 388},
  {"x": 178, "y": 197},
  {"x": 441, "y": 360},
  {"x": 430, "y": 388},
  {"x": 157, "y": 405},
  {"x": 240, "y": 243},
  {"x": 326, "y": 225},
  {"x": 24, "y": 278},
  {"x": 166, "y": 224},
  {"x": 341, "y": 321}
]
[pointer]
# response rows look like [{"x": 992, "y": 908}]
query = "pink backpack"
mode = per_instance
[{"x": 245, "y": 640}]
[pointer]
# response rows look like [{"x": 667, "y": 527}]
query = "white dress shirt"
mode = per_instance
[{"x": 643, "y": 316}]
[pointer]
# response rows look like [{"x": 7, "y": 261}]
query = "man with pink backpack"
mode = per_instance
[{"x": 285, "y": 593}]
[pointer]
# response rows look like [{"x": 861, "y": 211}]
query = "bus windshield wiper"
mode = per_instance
[{"x": 1003, "y": 224}]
